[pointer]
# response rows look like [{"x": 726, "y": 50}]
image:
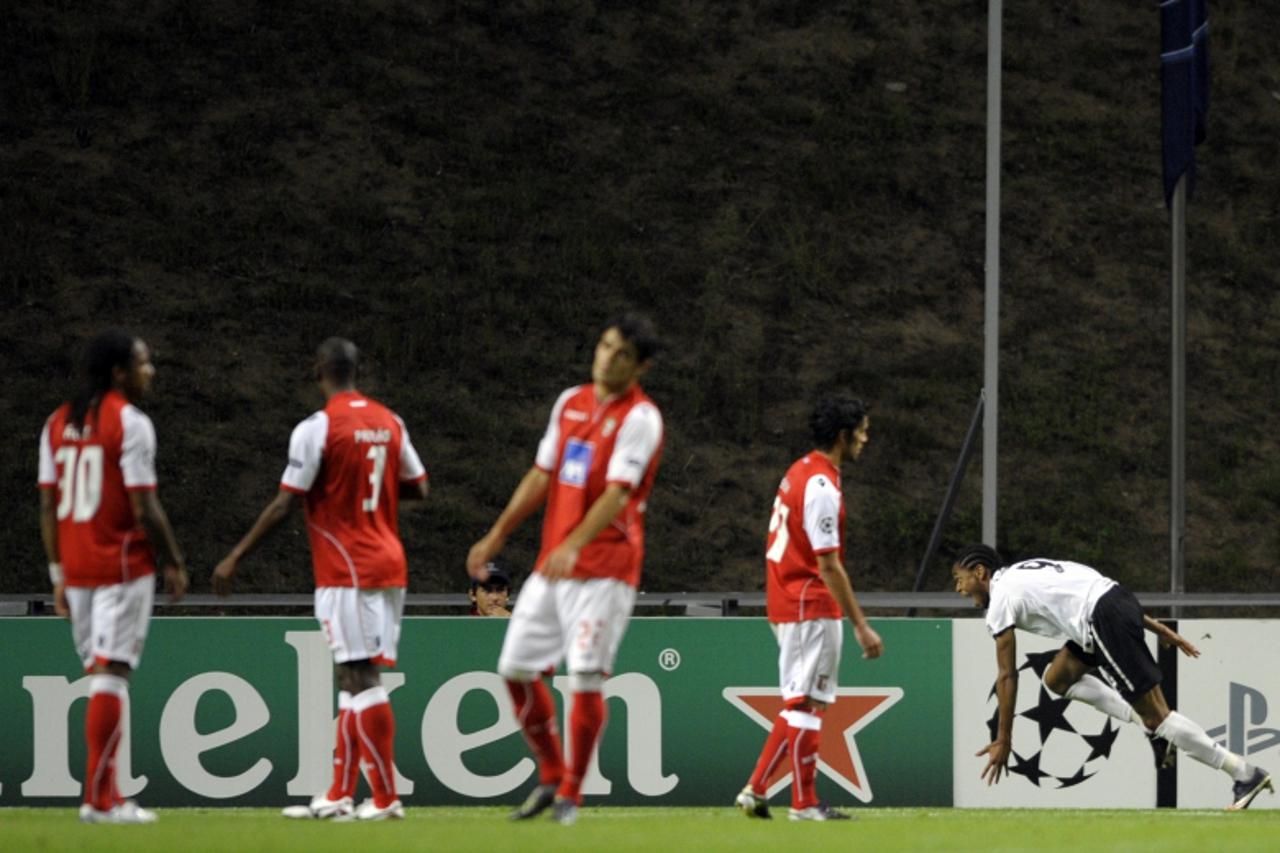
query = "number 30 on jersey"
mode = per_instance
[{"x": 80, "y": 481}]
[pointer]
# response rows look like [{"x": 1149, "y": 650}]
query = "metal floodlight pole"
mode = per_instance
[
  {"x": 991, "y": 322},
  {"x": 1178, "y": 393}
]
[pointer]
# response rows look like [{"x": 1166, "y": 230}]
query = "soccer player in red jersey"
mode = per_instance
[
  {"x": 594, "y": 469},
  {"x": 807, "y": 592},
  {"x": 104, "y": 533},
  {"x": 350, "y": 462}
]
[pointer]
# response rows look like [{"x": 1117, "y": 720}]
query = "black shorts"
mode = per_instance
[{"x": 1120, "y": 650}]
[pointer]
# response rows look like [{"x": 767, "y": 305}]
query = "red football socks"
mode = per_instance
[
  {"x": 346, "y": 753},
  {"x": 586, "y": 721},
  {"x": 804, "y": 766},
  {"x": 103, "y": 727},
  {"x": 775, "y": 749},
  {"x": 375, "y": 728},
  {"x": 536, "y": 713}
]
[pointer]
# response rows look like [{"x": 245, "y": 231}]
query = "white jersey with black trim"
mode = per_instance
[{"x": 1052, "y": 598}]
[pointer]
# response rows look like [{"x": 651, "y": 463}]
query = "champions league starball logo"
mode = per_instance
[{"x": 1057, "y": 743}]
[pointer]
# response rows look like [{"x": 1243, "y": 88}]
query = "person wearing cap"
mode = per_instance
[{"x": 491, "y": 596}]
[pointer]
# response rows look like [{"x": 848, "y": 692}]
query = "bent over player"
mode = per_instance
[
  {"x": 1103, "y": 624},
  {"x": 351, "y": 462},
  {"x": 104, "y": 533},
  {"x": 594, "y": 469},
  {"x": 807, "y": 592}
]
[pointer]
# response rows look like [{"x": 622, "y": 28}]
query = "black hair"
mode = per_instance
[
  {"x": 109, "y": 350},
  {"x": 833, "y": 414},
  {"x": 639, "y": 331},
  {"x": 972, "y": 556},
  {"x": 339, "y": 360}
]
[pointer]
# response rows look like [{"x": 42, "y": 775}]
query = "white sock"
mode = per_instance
[
  {"x": 802, "y": 720},
  {"x": 104, "y": 682},
  {"x": 368, "y": 698},
  {"x": 1186, "y": 735},
  {"x": 1239, "y": 769},
  {"x": 1096, "y": 692}
]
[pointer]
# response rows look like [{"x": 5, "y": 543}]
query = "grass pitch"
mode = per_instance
[{"x": 649, "y": 829}]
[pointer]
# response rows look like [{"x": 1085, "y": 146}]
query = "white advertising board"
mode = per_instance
[
  {"x": 1066, "y": 754},
  {"x": 1233, "y": 691}
]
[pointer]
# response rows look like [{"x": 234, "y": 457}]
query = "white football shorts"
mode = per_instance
[
  {"x": 361, "y": 624},
  {"x": 109, "y": 623},
  {"x": 809, "y": 658},
  {"x": 578, "y": 621}
]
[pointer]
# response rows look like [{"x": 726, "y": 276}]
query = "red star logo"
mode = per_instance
[{"x": 838, "y": 756}]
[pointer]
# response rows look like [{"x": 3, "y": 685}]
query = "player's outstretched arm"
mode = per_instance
[
  {"x": 529, "y": 495},
  {"x": 148, "y": 511},
  {"x": 997, "y": 752},
  {"x": 274, "y": 513},
  {"x": 1168, "y": 637}
]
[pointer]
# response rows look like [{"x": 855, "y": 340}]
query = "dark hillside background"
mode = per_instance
[{"x": 793, "y": 190}]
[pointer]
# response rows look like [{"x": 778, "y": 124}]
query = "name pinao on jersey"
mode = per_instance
[{"x": 348, "y": 461}]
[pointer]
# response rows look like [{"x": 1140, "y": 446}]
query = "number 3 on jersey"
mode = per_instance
[
  {"x": 378, "y": 453},
  {"x": 80, "y": 481},
  {"x": 778, "y": 530}
]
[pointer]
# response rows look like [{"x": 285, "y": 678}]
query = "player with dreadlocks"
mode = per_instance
[
  {"x": 104, "y": 534},
  {"x": 1103, "y": 624}
]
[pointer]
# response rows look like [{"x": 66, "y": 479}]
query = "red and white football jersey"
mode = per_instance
[
  {"x": 588, "y": 445},
  {"x": 93, "y": 469},
  {"x": 807, "y": 520},
  {"x": 349, "y": 460}
]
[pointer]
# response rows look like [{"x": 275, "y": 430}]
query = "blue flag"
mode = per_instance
[{"x": 1184, "y": 89}]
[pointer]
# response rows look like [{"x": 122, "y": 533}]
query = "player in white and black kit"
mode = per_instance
[{"x": 1103, "y": 624}]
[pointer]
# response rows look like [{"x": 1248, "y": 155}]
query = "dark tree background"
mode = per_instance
[{"x": 793, "y": 190}]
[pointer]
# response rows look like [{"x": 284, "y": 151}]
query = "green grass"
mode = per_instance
[{"x": 673, "y": 829}]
